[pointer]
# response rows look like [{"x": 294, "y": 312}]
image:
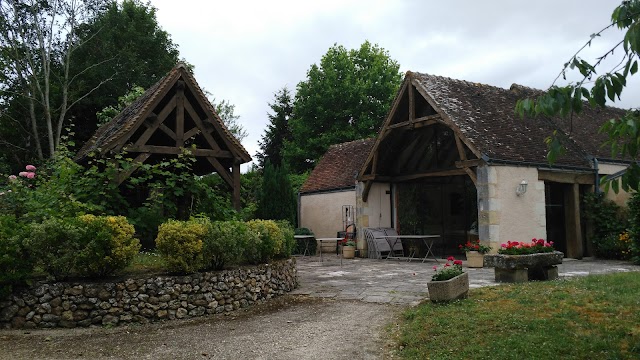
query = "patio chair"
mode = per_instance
[
  {"x": 376, "y": 243},
  {"x": 395, "y": 242}
]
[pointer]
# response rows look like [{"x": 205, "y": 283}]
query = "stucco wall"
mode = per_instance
[
  {"x": 322, "y": 213},
  {"x": 503, "y": 215},
  {"x": 621, "y": 197},
  {"x": 376, "y": 212}
]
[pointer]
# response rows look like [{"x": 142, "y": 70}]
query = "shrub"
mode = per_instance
[
  {"x": 15, "y": 263},
  {"x": 109, "y": 245},
  {"x": 608, "y": 224},
  {"x": 56, "y": 243},
  {"x": 271, "y": 240},
  {"x": 289, "y": 242},
  {"x": 634, "y": 227},
  {"x": 180, "y": 244},
  {"x": 225, "y": 243}
]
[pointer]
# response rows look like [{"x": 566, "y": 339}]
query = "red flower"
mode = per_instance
[
  {"x": 457, "y": 262},
  {"x": 450, "y": 258}
]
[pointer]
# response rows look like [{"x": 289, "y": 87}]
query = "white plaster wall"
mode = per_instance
[
  {"x": 503, "y": 215},
  {"x": 322, "y": 213},
  {"x": 376, "y": 212},
  {"x": 622, "y": 196}
]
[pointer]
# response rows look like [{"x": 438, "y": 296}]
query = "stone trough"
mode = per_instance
[{"x": 522, "y": 268}]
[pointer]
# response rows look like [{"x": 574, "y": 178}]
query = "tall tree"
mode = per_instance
[
  {"x": 624, "y": 133},
  {"x": 226, "y": 111},
  {"x": 344, "y": 98},
  {"x": 277, "y": 132},
  {"x": 277, "y": 200},
  {"x": 131, "y": 49}
]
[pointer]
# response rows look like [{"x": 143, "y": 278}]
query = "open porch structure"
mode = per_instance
[{"x": 454, "y": 160}]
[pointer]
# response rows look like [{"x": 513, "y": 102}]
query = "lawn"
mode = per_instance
[{"x": 593, "y": 317}]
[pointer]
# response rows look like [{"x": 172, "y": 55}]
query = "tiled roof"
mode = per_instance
[
  {"x": 485, "y": 116},
  {"x": 108, "y": 135},
  {"x": 338, "y": 168}
]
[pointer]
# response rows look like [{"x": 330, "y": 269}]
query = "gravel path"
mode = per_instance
[{"x": 290, "y": 327}]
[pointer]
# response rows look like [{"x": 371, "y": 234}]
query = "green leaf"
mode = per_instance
[{"x": 634, "y": 67}]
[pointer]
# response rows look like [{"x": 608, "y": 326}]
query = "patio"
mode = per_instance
[{"x": 405, "y": 283}]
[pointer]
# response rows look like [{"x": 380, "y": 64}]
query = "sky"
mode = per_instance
[{"x": 245, "y": 51}]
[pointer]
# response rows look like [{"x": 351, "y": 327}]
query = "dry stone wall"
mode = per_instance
[{"x": 141, "y": 300}]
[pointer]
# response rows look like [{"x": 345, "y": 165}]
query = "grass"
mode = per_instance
[
  {"x": 146, "y": 262},
  {"x": 593, "y": 317}
]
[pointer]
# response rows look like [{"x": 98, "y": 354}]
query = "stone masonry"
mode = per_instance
[{"x": 141, "y": 300}]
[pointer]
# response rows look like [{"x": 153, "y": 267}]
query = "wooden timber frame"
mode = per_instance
[
  {"x": 414, "y": 110},
  {"x": 171, "y": 116}
]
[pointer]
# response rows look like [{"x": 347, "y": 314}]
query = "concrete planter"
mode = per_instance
[
  {"x": 452, "y": 289},
  {"x": 522, "y": 268},
  {"x": 348, "y": 252},
  {"x": 475, "y": 259}
]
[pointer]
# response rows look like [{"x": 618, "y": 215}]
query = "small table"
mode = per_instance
[
  {"x": 426, "y": 239},
  {"x": 306, "y": 239},
  {"x": 330, "y": 239}
]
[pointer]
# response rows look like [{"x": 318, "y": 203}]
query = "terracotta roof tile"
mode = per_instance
[{"x": 338, "y": 168}]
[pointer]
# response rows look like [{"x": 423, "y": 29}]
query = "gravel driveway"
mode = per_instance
[{"x": 289, "y": 327}]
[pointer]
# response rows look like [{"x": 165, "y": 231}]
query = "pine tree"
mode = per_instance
[
  {"x": 278, "y": 129},
  {"x": 277, "y": 200}
]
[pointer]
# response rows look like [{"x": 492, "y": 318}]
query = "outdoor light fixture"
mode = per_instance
[{"x": 522, "y": 187}]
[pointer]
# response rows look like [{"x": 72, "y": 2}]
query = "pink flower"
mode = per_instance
[
  {"x": 503, "y": 245},
  {"x": 22, "y": 174},
  {"x": 30, "y": 168},
  {"x": 12, "y": 177},
  {"x": 457, "y": 262},
  {"x": 31, "y": 175},
  {"x": 450, "y": 258},
  {"x": 435, "y": 268}
]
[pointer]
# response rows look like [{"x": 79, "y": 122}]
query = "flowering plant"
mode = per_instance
[
  {"x": 474, "y": 245},
  {"x": 448, "y": 271},
  {"x": 523, "y": 248},
  {"x": 348, "y": 242}
]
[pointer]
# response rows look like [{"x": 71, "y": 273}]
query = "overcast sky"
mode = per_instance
[{"x": 244, "y": 51}]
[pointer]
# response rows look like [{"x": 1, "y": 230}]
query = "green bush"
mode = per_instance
[
  {"x": 109, "y": 245},
  {"x": 225, "y": 243},
  {"x": 634, "y": 227},
  {"x": 271, "y": 240},
  {"x": 180, "y": 243},
  {"x": 608, "y": 223},
  {"x": 289, "y": 242},
  {"x": 15, "y": 263},
  {"x": 56, "y": 243}
]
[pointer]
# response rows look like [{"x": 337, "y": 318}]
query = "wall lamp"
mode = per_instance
[{"x": 522, "y": 187}]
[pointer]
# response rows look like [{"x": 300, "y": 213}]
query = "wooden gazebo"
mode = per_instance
[{"x": 171, "y": 115}]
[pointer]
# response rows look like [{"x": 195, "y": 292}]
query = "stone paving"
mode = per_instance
[{"x": 405, "y": 283}]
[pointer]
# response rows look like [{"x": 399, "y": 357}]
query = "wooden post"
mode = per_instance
[{"x": 236, "y": 185}]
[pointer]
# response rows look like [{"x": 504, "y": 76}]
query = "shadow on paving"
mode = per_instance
[{"x": 405, "y": 283}]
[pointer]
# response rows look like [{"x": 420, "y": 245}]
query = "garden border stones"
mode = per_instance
[{"x": 145, "y": 299}]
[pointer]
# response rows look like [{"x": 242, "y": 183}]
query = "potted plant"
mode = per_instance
[
  {"x": 449, "y": 282},
  {"x": 475, "y": 252},
  {"x": 348, "y": 249}
]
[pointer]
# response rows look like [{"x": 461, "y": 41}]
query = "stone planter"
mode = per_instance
[
  {"x": 348, "y": 252},
  {"x": 452, "y": 289},
  {"x": 522, "y": 268},
  {"x": 475, "y": 259}
]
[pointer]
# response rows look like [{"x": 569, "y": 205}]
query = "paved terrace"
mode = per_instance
[{"x": 405, "y": 283}]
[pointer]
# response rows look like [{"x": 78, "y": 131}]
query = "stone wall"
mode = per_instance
[{"x": 141, "y": 300}]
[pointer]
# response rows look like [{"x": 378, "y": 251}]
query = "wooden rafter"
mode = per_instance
[
  {"x": 164, "y": 113},
  {"x": 205, "y": 132},
  {"x": 416, "y": 123},
  {"x": 221, "y": 170},
  {"x": 365, "y": 191},
  {"x": 180, "y": 114},
  {"x": 170, "y": 150}
]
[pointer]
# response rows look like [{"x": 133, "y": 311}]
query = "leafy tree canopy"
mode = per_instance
[
  {"x": 624, "y": 133},
  {"x": 346, "y": 97}
]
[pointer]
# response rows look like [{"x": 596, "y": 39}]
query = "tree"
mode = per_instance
[
  {"x": 38, "y": 39},
  {"x": 277, "y": 200},
  {"x": 624, "y": 133},
  {"x": 344, "y": 98},
  {"x": 277, "y": 132},
  {"x": 226, "y": 111}
]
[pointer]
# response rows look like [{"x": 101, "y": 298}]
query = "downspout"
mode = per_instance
[
  {"x": 299, "y": 209},
  {"x": 596, "y": 175}
]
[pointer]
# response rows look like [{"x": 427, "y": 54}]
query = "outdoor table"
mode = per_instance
[
  {"x": 306, "y": 239},
  {"x": 330, "y": 239},
  {"x": 426, "y": 239}
]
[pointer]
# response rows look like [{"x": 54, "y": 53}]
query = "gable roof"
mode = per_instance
[
  {"x": 338, "y": 168},
  {"x": 114, "y": 135}
]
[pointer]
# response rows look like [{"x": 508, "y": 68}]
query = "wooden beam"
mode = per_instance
[
  {"x": 180, "y": 114},
  {"x": 376, "y": 177},
  {"x": 566, "y": 177},
  {"x": 153, "y": 149},
  {"x": 194, "y": 131},
  {"x": 461, "y": 152},
  {"x": 207, "y": 134},
  {"x": 472, "y": 175},
  {"x": 419, "y": 122},
  {"x": 236, "y": 185},
  {"x": 412, "y": 104},
  {"x": 450, "y": 172},
  {"x": 365, "y": 191},
  {"x": 164, "y": 113},
  {"x": 469, "y": 163},
  {"x": 167, "y": 131},
  {"x": 139, "y": 160},
  {"x": 221, "y": 170}
]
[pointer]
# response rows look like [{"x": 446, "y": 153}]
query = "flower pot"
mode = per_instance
[
  {"x": 455, "y": 288},
  {"x": 348, "y": 252},
  {"x": 475, "y": 259}
]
